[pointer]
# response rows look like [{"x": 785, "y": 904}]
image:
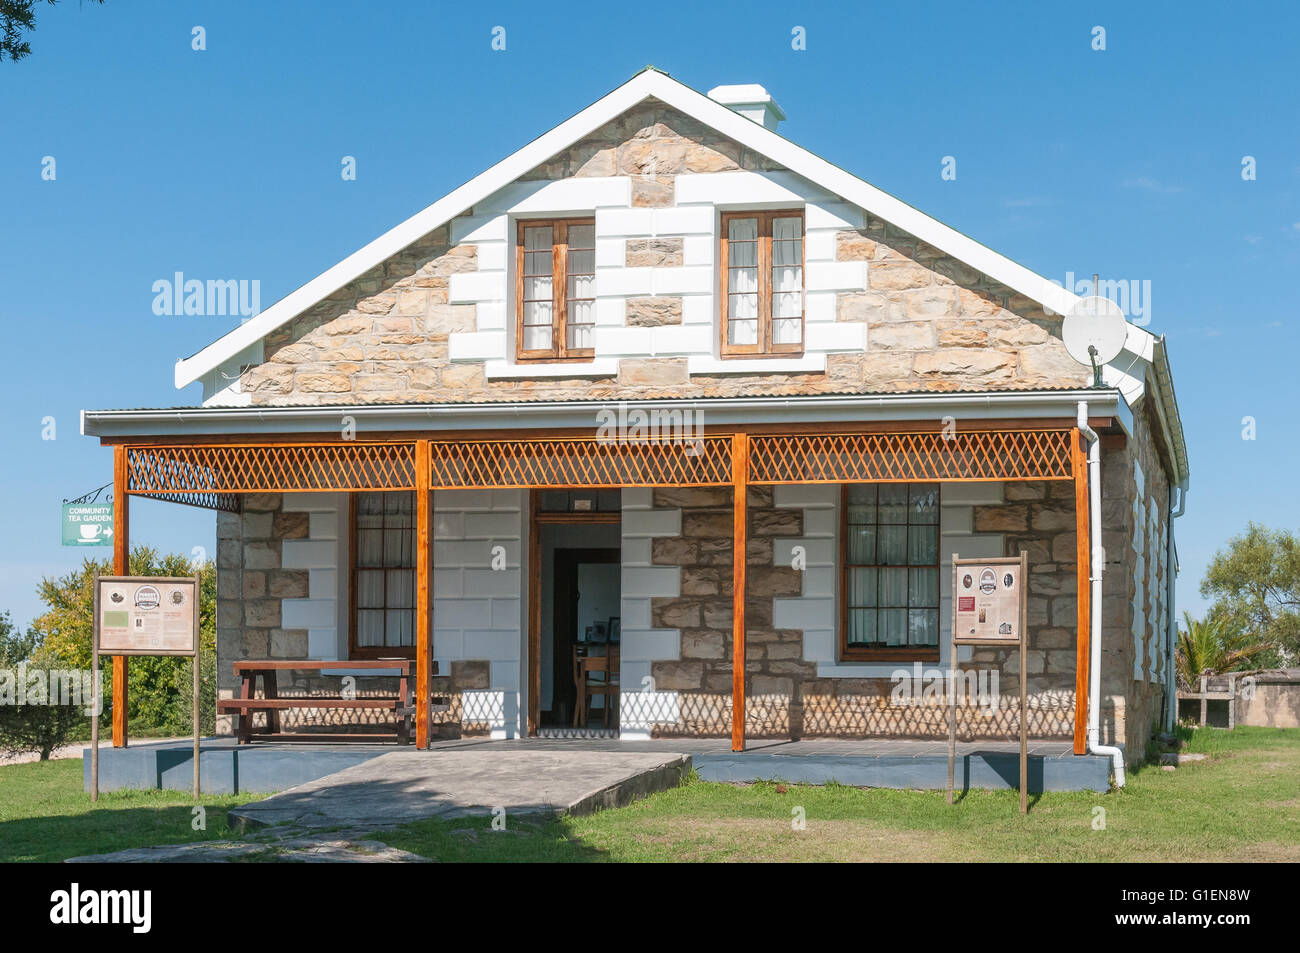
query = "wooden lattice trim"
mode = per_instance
[
  {"x": 282, "y": 468},
  {"x": 581, "y": 462},
  {"x": 962, "y": 456}
]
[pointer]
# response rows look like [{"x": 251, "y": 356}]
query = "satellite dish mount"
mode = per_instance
[{"x": 1094, "y": 332}]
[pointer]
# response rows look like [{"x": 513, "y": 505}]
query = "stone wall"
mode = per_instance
[
  {"x": 1133, "y": 635},
  {"x": 931, "y": 322},
  {"x": 786, "y": 696},
  {"x": 251, "y": 582}
]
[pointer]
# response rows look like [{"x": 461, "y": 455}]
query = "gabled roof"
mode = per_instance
[
  {"x": 649, "y": 83},
  {"x": 1126, "y": 373}
]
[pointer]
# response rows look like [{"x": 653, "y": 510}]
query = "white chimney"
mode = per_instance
[{"x": 751, "y": 101}]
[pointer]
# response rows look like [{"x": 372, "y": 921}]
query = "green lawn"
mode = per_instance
[
  {"x": 46, "y": 816},
  {"x": 1242, "y": 803}
]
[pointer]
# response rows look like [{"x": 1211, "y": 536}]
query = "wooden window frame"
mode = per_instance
[
  {"x": 356, "y": 651},
  {"x": 558, "y": 353},
  {"x": 904, "y": 653},
  {"x": 764, "y": 348}
]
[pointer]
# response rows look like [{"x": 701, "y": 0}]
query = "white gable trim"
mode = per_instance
[{"x": 648, "y": 83}]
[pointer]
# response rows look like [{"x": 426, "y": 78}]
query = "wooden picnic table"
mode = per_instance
[{"x": 402, "y": 703}]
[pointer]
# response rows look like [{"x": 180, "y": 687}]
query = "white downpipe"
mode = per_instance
[
  {"x": 1094, "y": 615},
  {"x": 1171, "y": 623}
]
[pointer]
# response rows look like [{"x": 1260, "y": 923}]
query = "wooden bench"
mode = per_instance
[{"x": 401, "y": 704}]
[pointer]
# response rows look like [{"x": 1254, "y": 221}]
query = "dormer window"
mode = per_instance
[
  {"x": 762, "y": 298},
  {"x": 555, "y": 294}
]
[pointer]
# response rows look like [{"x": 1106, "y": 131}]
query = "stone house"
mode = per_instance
[{"x": 656, "y": 336}]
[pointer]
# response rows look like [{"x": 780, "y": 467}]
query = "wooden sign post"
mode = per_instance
[
  {"x": 144, "y": 615},
  {"x": 989, "y": 599}
]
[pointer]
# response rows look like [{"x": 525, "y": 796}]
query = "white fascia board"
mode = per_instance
[
  {"x": 848, "y": 409},
  {"x": 645, "y": 84}
]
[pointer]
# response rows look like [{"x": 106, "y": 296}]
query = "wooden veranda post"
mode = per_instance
[
  {"x": 423, "y": 605},
  {"x": 121, "y": 567},
  {"x": 739, "y": 553},
  {"x": 1083, "y": 595}
]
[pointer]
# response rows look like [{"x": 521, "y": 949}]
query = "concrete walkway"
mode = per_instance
[{"x": 458, "y": 781}]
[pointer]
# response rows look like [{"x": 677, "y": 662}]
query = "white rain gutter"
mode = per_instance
[
  {"x": 579, "y": 413},
  {"x": 1098, "y": 560},
  {"x": 1171, "y": 623}
]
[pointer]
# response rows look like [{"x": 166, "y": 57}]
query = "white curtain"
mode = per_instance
[{"x": 787, "y": 280}]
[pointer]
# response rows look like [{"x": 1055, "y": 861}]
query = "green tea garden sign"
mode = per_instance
[{"x": 87, "y": 524}]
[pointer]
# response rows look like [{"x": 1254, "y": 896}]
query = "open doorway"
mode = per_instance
[{"x": 575, "y": 618}]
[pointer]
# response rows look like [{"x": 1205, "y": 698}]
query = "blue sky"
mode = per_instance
[{"x": 225, "y": 164}]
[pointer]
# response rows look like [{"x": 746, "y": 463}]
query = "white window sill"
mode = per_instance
[
  {"x": 500, "y": 370},
  {"x": 768, "y": 365}
]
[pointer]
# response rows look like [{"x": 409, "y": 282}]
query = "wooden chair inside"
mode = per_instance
[{"x": 597, "y": 675}]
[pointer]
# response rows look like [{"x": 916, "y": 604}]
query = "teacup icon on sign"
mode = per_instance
[{"x": 89, "y": 530}]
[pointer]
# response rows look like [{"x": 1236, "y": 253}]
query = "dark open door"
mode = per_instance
[{"x": 565, "y": 626}]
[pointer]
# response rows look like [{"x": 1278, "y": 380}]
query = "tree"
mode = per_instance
[
  {"x": 1256, "y": 587},
  {"x": 39, "y": 724},
  {"x": 17, "y": 16},
  {"x": 1210, "y": 647},
  {"x": 15, "y": 645},
  {"x": 158, "y": 687}
]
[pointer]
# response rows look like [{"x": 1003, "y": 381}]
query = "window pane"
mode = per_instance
[
  {"x": 370, "y": 509},
  {"x": 370, "y": 627},
  {"x": 923, "y": 588},
  {"x": 862, "y": 588},
  {"x": 395, "y": 548},
  {"x": 401, "y": 589},
  {"x": 581, "y": 287},
  {"x": 893, "y": 503},
  {"x": 923, "y": 627},
  {"x": 581, "y": 237},
  {"x": 787, "y": 304},
  {"x": 537, "y": 338},
  {"x": 785, "y": 331},
  {"x": 579, "y": 336},
  {"x": 924, "y": 503},
  {"x": 862, "y": 493},
  {"x": 370, "y": 589},
  {"x": 787, "y": 229},
  {"x": 538, "y": 290},
  {"x": 923, "y": 545},
  {"x": 538, "y": 237},
  {"x": 893, "y": 626},
  {"x": 892, "y": 547},
  {"x": 893, "y": 587},
  {"x": 744, "y": 306},
  {"x": 742, "y": 332},
  {"x": 742, "y": 230},
  {"x": 861, "y": 545},
  {"x": 370, "y": 547},
  {"x": 399, "y": 626},
  {"x": 862, "y": 626}
]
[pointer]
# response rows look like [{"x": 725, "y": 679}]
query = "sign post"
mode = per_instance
[
  {"x": 87, "y": 524},
  {"x": 144, "y": 615},
  {"x": 989, "y": 599}
]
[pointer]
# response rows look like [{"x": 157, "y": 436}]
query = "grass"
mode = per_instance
[
  {"x": 1239, "y": 804},
  {"x": 46, "y": 816}
]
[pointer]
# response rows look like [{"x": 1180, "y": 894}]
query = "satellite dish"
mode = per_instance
[{"x": 1094, "y": 332}]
